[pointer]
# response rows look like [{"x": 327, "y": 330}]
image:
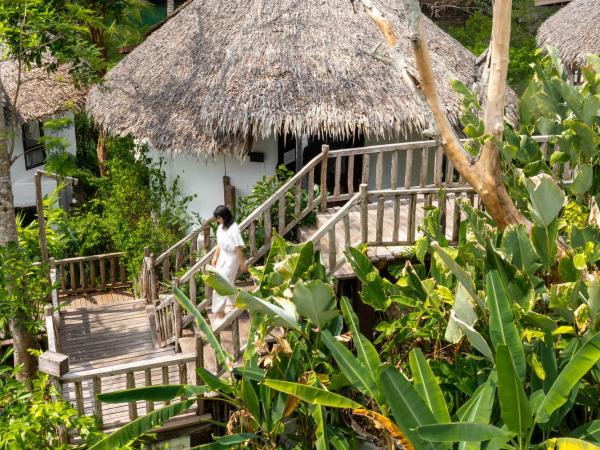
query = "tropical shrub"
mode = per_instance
[{"x": 30, "y": 420}]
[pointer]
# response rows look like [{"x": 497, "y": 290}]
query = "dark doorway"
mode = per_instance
[{"x": 288, "y": 154}]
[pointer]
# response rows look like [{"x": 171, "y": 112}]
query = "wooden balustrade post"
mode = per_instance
[
  {"x": 364, "y": 213},
  {"x": 199, "y": 344},
  {"x": 153, "y": 282},
  {"x": 324, "y": 159},
  {"x": 177, "y": 317},
  {"x": 130, "y": 383},
  {"x": 97, "y": 390}
]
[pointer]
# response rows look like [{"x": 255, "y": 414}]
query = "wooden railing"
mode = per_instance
[
  {"x": 90, "y": 273},
  {"x": 82, "y": 388}
]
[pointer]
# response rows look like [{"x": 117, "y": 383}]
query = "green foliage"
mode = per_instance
[
  {"x": 262, "y": 191},
  {"x": 30, "y": 420},
  {"x": 49, "y": 33},
  {"x": 131, "y": 208},
  {"x": 526, "y": 18},
  {"x": 23, "y": 287}
]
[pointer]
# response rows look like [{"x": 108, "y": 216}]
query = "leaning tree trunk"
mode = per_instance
[
  {"x": 482, "y": 172},
  {"x": 23, "y": 339}
]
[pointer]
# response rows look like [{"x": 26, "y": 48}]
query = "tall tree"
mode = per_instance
[
  {"x": 114, "y": 23},
  {"x": 45, "y": 34},
  {"x": 482, "y": 172}
]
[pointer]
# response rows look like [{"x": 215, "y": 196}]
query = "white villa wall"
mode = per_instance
[
  {"x": 205, "y": 178},
  {"x": 22, "y": 179}
]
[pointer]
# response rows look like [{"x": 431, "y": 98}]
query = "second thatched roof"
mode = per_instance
[
  {"x": 222, "y": 72},
  {"x": 574, "y": 30},
  {"x": 41, "y": 94}
]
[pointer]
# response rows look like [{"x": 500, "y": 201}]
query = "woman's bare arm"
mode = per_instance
[
  {"x": 241, "y": 259},
  {"x": 215, "y": 258}
]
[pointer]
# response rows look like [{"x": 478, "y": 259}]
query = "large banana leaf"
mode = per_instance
[
  {"x": 140, "y": 426},
  {"x": 318, "y": 414},
  {"x": 315, "y": 301},
  {"x": 226, "y": 442},
  {"x": 502, "y": 326},
  {"x": 351, "y": 367},
  {"x": 282, "y": 316},
  {"x": 547, "y": 199},
  {"x": 203, "y": 326},
  {"x": 214, "y": 382},
  {"x": 407, "y": 407},
  {"x": 474, "y": 337},
  {"x": 569, "y": 444},
  {"x": 517, "y": 244},
  {"x": 588, "y": 432},
  {"x": 219, "y": 283},
  {"x": 306, "y": 255},
  {"x": 479, "y": 407},
  {"x": 365, "y": 350},
  {"x": 461, "y": 432},
  {"x": 427, "y": 386},
  {"x": 312, "y": 395},
  {"x": 153, "y": 393},
  {"x": 585, "y": 358},
  {"x": 374, "y": 292},
  {"x": 461, "y": 274},
  {"x": 514, "y": 405},
  {"x": 462, "y": 309}
]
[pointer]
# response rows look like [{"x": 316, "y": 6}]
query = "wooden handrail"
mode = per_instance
[
  {"x": 426, "y": 190},
  {"x": 87, "y": 258},
  {"x": 405, "y": 146},
  {"x": 333, "y": 220},
  {"x": 134, "y": 366},
  {"x": 192, "y": 235}
]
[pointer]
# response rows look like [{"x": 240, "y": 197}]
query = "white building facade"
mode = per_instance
[{"x": 30, "y": 156}]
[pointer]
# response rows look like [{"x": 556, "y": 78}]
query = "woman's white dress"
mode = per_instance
[{"x": 228, "y": 263}]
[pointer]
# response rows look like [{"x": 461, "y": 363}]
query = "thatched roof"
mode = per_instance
[
  {"x": 249, "y": 68},
  {"x": 574, "y": 30},
  {"x": 42, "y": 94}
]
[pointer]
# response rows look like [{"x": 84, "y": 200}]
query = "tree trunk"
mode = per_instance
[
  {"x": 23, "y": 339},
  {"x": 482, "y": 173}
]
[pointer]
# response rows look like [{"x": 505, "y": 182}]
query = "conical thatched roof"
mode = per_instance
[
  {"x": 42, "y": 94},
  {"x": 574, "y": 30},
  {"x": 249, "y": 68}
]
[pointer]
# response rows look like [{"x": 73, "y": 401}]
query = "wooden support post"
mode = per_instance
[
  {"x": 79, "y": 398},
  {"x": 165, "y": 379},
  {"x": 347, "y": 242},
  {"x": 379, "y": 222},
  {"x": 331, "y": 249},
  {"x": 324, "y": 160},
  {"x": 97, "y": 389},
  {"x": 338, "y": 176},
  {"x": 364, "y": 213},
  {"x": 199, "y": 344},
  {"x": 177, "y": 317},
  {"x": 350, "y": 174},
  {"x": 148, "y": 382},
  {"x": 281, "y": 214},
  {"x": 133, "y": 413}
]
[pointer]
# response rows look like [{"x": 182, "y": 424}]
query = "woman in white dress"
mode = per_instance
[{"x": 229, "y": 257}]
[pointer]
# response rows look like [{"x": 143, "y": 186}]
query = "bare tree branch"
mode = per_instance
[{"x": 482, "y": 173}]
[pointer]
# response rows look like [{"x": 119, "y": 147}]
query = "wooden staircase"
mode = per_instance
[{"x": 380, "y": 202}]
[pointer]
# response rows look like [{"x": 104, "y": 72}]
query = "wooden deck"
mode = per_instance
[{"x": 109, "y": 329}]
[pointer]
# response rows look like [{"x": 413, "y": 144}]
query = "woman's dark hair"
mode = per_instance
[{"x": 223, "y": 212}]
